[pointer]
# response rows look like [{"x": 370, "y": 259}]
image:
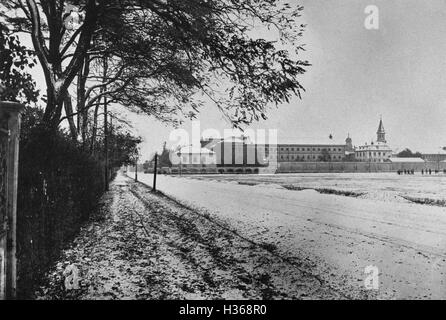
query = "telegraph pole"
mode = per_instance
[
  {"x": 106, "y": 174},
  {"x": 155, "y": 171},
  {"x": 136, "y": 169},
  {"x": 106, "y": 144}
]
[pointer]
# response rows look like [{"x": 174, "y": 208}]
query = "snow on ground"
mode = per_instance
[
  {"x": 142, "y": 245},
  {"x": 380, "y": 186},
  {"x": 331, "y": 236}
]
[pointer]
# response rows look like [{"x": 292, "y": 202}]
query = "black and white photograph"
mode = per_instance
[{"x": 194, "y": 152}]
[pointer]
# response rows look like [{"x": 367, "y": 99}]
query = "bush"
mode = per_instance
[{"x": 59, "y": 186}]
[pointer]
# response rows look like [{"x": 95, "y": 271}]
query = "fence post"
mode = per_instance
[{"x": 9, "y": 156}]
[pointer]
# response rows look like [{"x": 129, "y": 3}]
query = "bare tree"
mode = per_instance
[{"x": 161, "y": 54}]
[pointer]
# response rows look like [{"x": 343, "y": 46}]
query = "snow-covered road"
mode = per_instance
[
  {"x": 143, "y": 245},
  {"x": 335, "y": 237}
]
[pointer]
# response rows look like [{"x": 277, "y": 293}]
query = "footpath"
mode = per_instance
[{"x": 143, "y": 245}]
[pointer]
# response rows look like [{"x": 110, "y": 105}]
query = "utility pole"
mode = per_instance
[
  {"x": 155, "y": 171},
  {"x": 106, "y": 145},
  {"x": 112, "y": 144},
  {"x": 136, "y": 169},
  {"x": 106, "y": 174}
]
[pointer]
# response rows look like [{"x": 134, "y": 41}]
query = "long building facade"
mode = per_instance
[
  {"x": 237, "y": 152},
  {"x": 324, "y": 152}
]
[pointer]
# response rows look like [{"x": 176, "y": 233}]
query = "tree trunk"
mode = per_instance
[
  {"x": 81, "y": 99},
  {"x": 69, "y": 111},
  {"x": 57, "y": 79},
  {"x": 94, "y": 129}
]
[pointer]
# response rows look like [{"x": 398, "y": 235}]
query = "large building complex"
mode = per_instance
[
  {"x": 239, "y": 152},
  {"x": 240, "y": 155}
]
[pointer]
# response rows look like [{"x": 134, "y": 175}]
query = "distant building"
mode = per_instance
[
  {"x": 434, "y": 155},
  {"x": 236, "y": 152},
  {"x": 192, "y": 156},
  {"x": 377, "y": 151},
  {"x": 326, "y": 151},
  {"x": 239, "y": 151}
]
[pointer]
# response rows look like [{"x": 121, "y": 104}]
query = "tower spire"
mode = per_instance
[{"x": 381, "y": 133}]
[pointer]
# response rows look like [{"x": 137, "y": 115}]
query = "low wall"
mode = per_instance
[
  {"x": 290, "y": 167},
  {"x": 193, "y": 170},
  {"x": 310, "y": 167}
]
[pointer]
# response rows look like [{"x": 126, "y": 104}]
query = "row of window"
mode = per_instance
[
  {"x": 369, "y": 147},
  {"x": 312, "y": 149},
  {"x": 369, "y": 153},
  {"x": 372, "y": 160},
  {"x": 308, "y": 157}
]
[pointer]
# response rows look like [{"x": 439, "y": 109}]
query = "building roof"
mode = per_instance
[
  {"x": 399, "y": 160},
  {"x": 310, "y": 141},
  {"x": 317, "y": 141},
  {"x": 434, "y": 151},
  {"x": 212, "y": 142}
]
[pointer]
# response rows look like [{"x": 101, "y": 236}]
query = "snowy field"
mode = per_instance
[
  {"x": 380, "y": 186},
  {"x": 334, "y": 236}
]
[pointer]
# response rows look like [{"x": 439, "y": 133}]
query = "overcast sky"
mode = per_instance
[{"x": 397, "y": 71}]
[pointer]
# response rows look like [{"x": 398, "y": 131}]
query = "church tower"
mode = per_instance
[
  {"x": 348, "y": 143},
  {"x": 381, "y": 134}
]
